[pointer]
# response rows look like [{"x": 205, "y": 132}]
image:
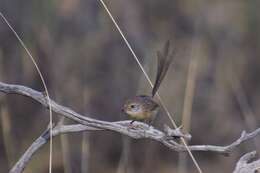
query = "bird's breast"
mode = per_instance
[{"x": 143, "y": 115}]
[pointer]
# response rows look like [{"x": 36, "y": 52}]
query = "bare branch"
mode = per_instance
[
  {"x": 43, "y": 139},
  {"x": 176, "y": 132},
  {"x": 141, "y": 131},
  {"x": 244, "y": 165},
  {"x": 62, "y": 129}
]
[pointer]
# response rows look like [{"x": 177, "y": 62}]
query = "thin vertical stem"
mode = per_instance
[
  {"x": 42, "y": 80},
  {"x": 149, "y": 80}
]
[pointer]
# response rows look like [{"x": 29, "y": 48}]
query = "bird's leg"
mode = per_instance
[
  {"x": 131, "y": 125},
  {"x": 135, "y": 126},
  {"x": 150, "y": 122}
]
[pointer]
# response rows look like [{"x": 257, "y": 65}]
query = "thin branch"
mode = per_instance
[
  {"x": 64, "y": 129},
  {"x": 246, "y": 165},
  {"x": 43, "y": 139},
  {"x": 141, "y": 130}
]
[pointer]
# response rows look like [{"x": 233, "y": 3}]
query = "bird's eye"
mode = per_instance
[{"x": 133, "y": 106}]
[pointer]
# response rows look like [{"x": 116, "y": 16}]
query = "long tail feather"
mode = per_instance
[{"x": 164, "y": 60}]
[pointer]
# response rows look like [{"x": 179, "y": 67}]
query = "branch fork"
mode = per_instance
[{"x": 167, "y": 137}]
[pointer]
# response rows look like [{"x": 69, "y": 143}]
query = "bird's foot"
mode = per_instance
[{"x": 134, "y": 126}]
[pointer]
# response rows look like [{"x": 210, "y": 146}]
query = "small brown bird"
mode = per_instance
[{"x": 143, "y": 107}]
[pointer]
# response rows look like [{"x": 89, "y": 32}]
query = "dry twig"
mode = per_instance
[
  {"x": 246, "y": 165},
  {"x": 141, "y": 131}
]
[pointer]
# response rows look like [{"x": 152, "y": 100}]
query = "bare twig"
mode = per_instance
[
  {"x": 176, "y": 132},
  {"x": 141, "y": 130},
  {"x": 62, "y": 129},
  {"x": 246, "y": 165},
  {"x": 41, "y": 77},
  {"x": 43, "y": 139}
]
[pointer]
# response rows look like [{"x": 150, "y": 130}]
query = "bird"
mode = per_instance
[{"x": 144, "y": 107}]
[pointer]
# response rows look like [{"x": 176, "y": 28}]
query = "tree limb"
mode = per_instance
[
  {"x": 43, "y": 139},
  {"x": 246, "y": 165},
  {"x": 141, "y": 130},
  {"x": 122, "y": 127}
]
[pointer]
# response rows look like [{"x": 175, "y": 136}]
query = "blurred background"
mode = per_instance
[{"x": 212, "y": 87}]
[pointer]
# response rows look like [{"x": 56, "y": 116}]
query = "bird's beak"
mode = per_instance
[{"x": 124, "y": 112}]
